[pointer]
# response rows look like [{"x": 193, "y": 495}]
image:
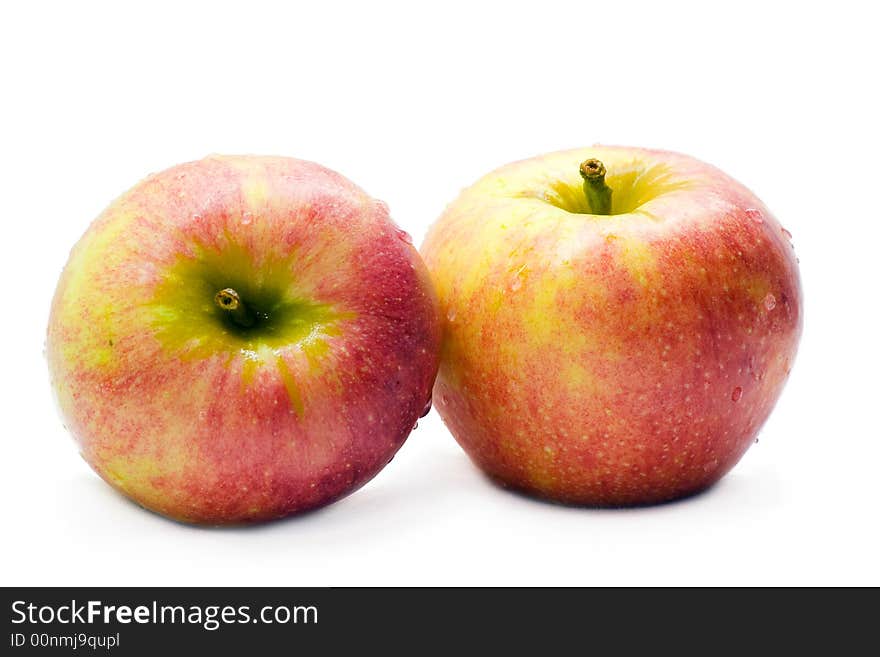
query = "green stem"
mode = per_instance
[
  {"x": 229, "y": 301},
  {"x": 597, "y": 192}
]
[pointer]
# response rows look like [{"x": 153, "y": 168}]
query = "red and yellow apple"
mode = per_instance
[
  {"x": 619, "y": 323},
  {"x": 242, "y": 338}
]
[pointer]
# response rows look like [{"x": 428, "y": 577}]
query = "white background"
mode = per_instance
[{"x": 413, "y": 103}]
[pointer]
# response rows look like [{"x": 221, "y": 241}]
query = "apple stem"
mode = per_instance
[
  {"x": 229, "y": 301},
  {"x": 597, "y": 192}
]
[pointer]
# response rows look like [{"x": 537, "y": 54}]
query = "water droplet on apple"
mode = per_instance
[
  {"x": 769, "y": 302},
  {"x": 755, "y": 215},
  {"x": 427, "y": 408},
  {"x": 754, "y": 370},
  {"x": 450, "y": 314},
  {"x": 246, "y": 219},
  {"x": 403, "y": 236},
  {"x": 786, "y": 233},
  {"x": 736, "y": 394}
]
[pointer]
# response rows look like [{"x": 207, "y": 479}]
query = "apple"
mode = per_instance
[
  {"x": 619, "y": 323},
  {"x": 242, "y": 338}
]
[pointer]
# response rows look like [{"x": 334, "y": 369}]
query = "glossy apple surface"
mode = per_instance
[
  {"x": 611, "y": 359},
  {"x": 297, "y": 398}
]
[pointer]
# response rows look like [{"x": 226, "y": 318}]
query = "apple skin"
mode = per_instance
[
  {"x": 204, "y": 424},
  {"x": 611, "y": 360}
]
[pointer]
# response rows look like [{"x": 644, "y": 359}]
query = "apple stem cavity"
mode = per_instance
[
  {"x": 229, "y": 301},
  {"x": 597, "y": 192}
]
